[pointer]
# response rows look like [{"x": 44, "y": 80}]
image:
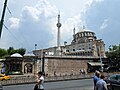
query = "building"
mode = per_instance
[{"x": 84, "y": 51}]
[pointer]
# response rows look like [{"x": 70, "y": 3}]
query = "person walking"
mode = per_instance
[
  {"x": 101, "y": 84},
  {"x": 40, "y": 81},
  {"x": 96, "y": 78}
]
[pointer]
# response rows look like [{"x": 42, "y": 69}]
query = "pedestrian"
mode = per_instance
[
  {"x": 101, "y": 84},
  {"x": 39, "y": 82},
  {"x": 96, "y": 78}
]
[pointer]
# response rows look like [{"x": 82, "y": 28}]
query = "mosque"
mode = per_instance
[
  {"x": 84, "y": 44},
  {"x": 85, "y": 52}
]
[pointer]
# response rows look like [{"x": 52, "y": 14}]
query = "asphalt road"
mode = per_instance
[{"x": 86, "y": 84}]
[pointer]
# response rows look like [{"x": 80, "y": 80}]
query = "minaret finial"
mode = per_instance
[
  {"x": 83, "y": 27},
  {"x": 74, "y": 30},
  {"x": 59, "y": 13}
]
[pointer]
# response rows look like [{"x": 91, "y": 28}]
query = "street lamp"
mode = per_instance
[
  {"x": 35, "y": 60},
  {"x": 100, "y": 59},
  {"x": 35, "y": 48}
]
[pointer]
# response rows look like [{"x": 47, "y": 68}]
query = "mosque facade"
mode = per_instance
[{"x": 83, "y": 44}]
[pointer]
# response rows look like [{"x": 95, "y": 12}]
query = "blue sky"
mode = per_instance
[{"x": 34, "y": 22}]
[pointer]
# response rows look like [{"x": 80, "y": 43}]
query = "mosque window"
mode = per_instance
[
  {"x": 67, "y": 50},
  {"x": 73, "y": 49},
  {"x": 85, "y": 34},
  {"x": 79, "y": 35},
  {"x": 89, "y": 47}
]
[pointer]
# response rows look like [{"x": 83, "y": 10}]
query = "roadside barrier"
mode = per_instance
[{"x": 31, "y": 79}]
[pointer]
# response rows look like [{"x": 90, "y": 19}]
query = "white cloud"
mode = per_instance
[
  {"x": 14, "y": 23},
  {"x": 99, "y": 0},
  {"x": 30, "y": 12},
  {"x": 38, "y": 23},
  {"x": 104, "y": 24}
]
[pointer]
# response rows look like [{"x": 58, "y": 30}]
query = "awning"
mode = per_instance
[{"x": 95, "y": 64}]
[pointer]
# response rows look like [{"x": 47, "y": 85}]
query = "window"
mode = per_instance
[{"x": 73, "y": 49}]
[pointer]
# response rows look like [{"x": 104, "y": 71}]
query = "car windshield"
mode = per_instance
[{"x": 115, "y": 77}]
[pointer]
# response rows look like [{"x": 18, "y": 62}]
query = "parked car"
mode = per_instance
[
  {"x": 4, "y": 77},
  {"x": 113, "y": 82}
]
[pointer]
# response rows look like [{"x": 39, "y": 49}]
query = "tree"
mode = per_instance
[
  {"x": 11, "y": 51},
  {"x": 3, "y": 53},
  {"x": 21, "y": 51},
  {"x": 114, "y": 55},
  {"x": 114, "y": 51}
]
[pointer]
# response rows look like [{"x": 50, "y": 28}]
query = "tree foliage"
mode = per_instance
[
  {"x": 114, "y": 55},
  {"x": 10, "y": 51},
  {"x": 3, "y": 53},
  {"x": 114, "y": 52},
  {"x": 21, "y": 51}
]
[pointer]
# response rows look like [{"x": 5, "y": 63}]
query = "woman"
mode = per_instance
[{"x": 101, "y": 84}]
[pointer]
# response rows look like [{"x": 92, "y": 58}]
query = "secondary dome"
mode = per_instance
[{"x": 16, "y": 55}]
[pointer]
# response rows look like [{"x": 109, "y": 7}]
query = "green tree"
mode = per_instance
[
  {"x": 11, "y": 51},
  {"x": 3, "y": 53},
  {"x": 114, "y": 51},
  {"x": 114, "y": 55},
  {"x": 21, "y": 51}
]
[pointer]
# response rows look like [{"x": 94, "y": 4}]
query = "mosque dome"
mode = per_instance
[
  {"x": 16, "y": 55},
  {"x": 84, "y": 36}
]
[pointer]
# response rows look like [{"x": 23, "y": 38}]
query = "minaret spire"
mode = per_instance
[
  {"x": 74, "y": 30},
  {"x": 58, "y": 26}
]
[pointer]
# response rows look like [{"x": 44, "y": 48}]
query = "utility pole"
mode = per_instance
[{"x": 2, "y": 19}]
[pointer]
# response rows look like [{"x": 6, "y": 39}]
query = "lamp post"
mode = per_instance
[
  {"x": 35, "y": 48},
  {"x": 100, "y": 59},
  {"x": 35, "y": 60}
]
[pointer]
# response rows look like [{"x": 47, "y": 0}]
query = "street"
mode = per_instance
[{"x": 85, "y": 84}]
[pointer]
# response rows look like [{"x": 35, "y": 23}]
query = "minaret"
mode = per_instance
[{"x": 58, "y": 25}]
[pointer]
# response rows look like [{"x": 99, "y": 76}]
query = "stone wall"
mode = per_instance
[{"x": 64, "y": 66}]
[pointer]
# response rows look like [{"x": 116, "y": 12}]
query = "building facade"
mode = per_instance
[
  {"x": 84, "y": 50},
  {"x": 84, "y": 44}
]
